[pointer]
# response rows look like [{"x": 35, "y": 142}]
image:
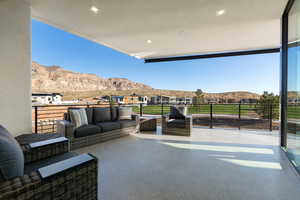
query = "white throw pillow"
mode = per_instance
[{"x": 78, "y": 117}]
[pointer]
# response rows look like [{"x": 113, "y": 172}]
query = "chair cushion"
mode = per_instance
[
  {"x": 176, "y": 123},
  {"x": 102, "y": 115},
  {"x": 127, "y": 123},
  {"x": 26, "y": 139},
  {"x": 87, "y": 130},
  {"x": 178, "y": 112},
  {"x": 11, "y": 156},
  {"x": 48, "y": 161},
  {"x": 109, "y": 126},
  {"x": 125, "y": 113},
  {"x": 78, "y": 117},
  {"x": 114, "y": 113}
]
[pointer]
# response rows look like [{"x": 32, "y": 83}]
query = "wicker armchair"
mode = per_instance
[
  {"x": 51, "y": 171},
  {"x": 177, "y": 122},
  {"x": 57, "y": 145}
]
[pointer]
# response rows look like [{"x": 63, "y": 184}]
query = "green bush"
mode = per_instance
[{"x": 264, "y": 105}]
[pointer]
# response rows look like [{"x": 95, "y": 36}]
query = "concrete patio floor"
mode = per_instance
[{"x": 212, "y": 164}]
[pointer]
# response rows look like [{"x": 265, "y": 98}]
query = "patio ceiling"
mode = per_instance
[{"x": 164, "y": 28}]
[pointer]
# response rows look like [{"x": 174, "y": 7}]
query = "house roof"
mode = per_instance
[{"x": 163, "y": 28}]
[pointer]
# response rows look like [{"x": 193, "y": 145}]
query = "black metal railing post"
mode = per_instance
[
  {"x": 239, "y": 116},
  {"x": 211, "y": 116},
  {"x": 271, "y": 118},
  {"x": 162, "y": 109},
  {"x": 35, "y": 119},
  {"x": 141, "y": 109}
]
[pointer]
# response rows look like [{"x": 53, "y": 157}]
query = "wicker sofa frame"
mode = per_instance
[
  {"x": 66, "y": 128},
  {"x": 70, "y": 179},
  {"x": 56, "y": 145}
]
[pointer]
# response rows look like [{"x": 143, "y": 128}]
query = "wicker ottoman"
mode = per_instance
[{"x": 148, "y": 124}]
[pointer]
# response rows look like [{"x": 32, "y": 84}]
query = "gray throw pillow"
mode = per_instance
[
  {"x": 11, "y": 156},
  {"x": 102, "y": 115},
  {"x": 125, "y": 113},
  {"x": 78, "y": 117}
]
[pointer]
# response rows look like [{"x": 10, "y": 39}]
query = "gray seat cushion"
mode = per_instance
[
  {"x": 45, "y": 162},
  {"x": 127, "y": 123},
  {"x": 102, "y": 115},
  {"x": 109, "y": 126},
  {"x": 87, "y": 130},
  {"x": 176, "y": 123},
  {"x": 26, "y": 139},
  {"x": 11, "y": 156}
]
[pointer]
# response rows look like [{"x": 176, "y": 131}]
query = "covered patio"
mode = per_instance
[
  {"x": 217, "y": 164},
  {"x": 212, "y": 164}
]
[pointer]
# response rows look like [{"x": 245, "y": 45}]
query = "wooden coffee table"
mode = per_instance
[{"x": 148, "y": 124}]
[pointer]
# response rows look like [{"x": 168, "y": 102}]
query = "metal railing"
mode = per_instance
[{"x": 248, "y": 116}]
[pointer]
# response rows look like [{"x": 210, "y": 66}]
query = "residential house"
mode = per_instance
[{"x": 46, "y": 98}]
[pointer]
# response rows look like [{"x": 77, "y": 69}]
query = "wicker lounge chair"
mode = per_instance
[
  {"x": 177, "y": 122},
  {"x": 35, "y": 167}
]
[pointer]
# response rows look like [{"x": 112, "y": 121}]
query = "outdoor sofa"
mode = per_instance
[
  {"x": 177, "y": 122},
  {"x": 104, "y": 123},
  {"x": 40, "y": 166}
]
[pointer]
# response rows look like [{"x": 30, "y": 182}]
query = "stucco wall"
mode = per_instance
[{"x": 15, "y": 66}]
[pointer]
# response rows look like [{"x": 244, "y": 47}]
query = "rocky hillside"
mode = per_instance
[
  {"x": 57, "y": 79},
  {"x": 79, "y": 85}
]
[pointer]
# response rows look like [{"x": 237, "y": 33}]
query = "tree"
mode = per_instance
[
  {"x": 264, "y": 105},
  {"x": 199, "y": 96}
]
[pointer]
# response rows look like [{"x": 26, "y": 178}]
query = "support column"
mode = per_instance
[{"x": 15, "y": 66}]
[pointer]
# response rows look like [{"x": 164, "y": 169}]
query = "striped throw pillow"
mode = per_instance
[{"x": 78, "y": 117}]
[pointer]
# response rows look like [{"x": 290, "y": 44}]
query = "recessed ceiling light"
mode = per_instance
[
  {"x": 94, "y": 9},
  {"x": 149, "y": 41},
  {"x": 220, "y": 12}
]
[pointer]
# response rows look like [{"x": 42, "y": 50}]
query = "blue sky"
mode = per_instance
[{"x": 255, "y": 73}]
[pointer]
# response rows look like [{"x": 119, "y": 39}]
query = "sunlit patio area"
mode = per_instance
[{"x": 210, "y": 164}]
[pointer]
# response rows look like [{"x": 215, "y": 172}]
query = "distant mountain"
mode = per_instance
[
  {"x": 57, "y": 79},
  {"x": 81, "y": 85}
]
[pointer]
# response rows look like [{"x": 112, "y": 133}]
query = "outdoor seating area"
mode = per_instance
[
  {"x": 34, "y": 167},
  {"x": 51, "y": 171},
  {"x": 88, "y": 126}
]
